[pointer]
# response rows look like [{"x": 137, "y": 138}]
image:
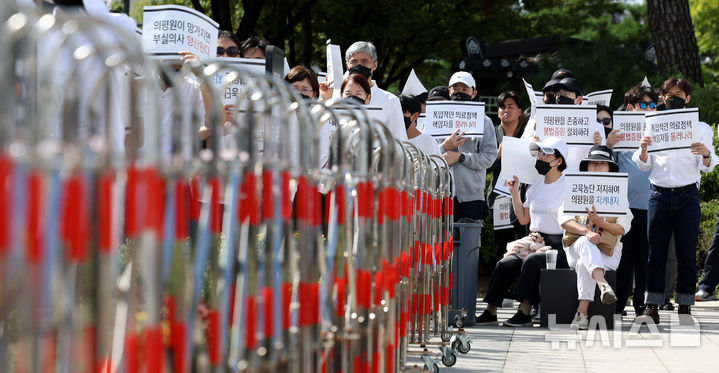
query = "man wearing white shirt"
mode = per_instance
[
  {"x": 674, "y": 206},
  {"x": 361, "y": 58}
]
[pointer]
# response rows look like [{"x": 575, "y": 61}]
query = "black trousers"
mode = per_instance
[
  {"x": 632, "y": 269},
  {"x": 527, "y": 272}
]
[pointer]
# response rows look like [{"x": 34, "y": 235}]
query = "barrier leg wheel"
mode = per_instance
[
  {"x": 461, "y": 346},
  {"x": 449, "y": 358},
  {"x": 446, "y": 337}
]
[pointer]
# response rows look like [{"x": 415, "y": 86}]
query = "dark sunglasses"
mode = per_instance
[
  {"x": 643, "y": 105},
  {"x": 604, "y": 121},
  {"x": 230, "y": 51}
]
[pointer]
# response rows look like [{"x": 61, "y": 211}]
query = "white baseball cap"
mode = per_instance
[
  {"x": 462, "y": 77},
  {"x": 549, "y": 145}
]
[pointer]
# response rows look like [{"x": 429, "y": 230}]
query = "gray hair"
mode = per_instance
[{"x": 361, "y": 46}]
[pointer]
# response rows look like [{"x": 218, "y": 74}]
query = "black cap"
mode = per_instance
[
  {"x": 599, "y": 153},
  {"x": 438, "y": 93},
  {"x": 562, "y": 73},
  {"x": 570, "y": 84},
  {"x": 548, "y": 86}
]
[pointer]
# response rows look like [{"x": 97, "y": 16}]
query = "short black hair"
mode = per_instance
[
  {"x": 508, "y": 94},
  {"x": 252, "y": 42},
  {"x": 410, "y": 103},
  {"x": 562, "y": 166},
  {"x": 683, "y": 84},
  {"x": 639, "y": 92},
  {"x": 607, "y": 109}
]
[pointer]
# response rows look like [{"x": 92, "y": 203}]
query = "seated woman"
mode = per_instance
[
  {"x": 541, "y": 212},
  {"x": 596, "y": 247}
]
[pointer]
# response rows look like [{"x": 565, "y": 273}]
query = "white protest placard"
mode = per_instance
[
  {"x": 169, "y": 29},
  {"x": 334, "y": 68},
  {"x": 575, "y": 124},
  {"x": 230, "y": 94},
  {"x": 598, "y": 98},
  {"x": 606, "y": 191},
  {"x": 500, "y": 213},
  {"x": 530, "y": 92},
  {"x": 500, "y": 187},
  {"x": 672, "y": 130},
  {"x": 444, "y": 117},
  {"x": 517, "y": 161},
  {"x": 631, "y": 129}
]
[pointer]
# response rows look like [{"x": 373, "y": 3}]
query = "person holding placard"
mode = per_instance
[
  {"x": 469, "y": 157},
  {"x": 674, "y": 206},
  {"x": 541, "y": 211},
  {"x": 510, "y": 124},
  {"x": 631, "y": 272},
  {"x": 591, "y": 243},
  {"x": 361, "y": 58},
  {"x": 424, "y": 142}
]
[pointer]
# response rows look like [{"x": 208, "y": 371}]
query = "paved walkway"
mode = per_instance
[{"x": 667, "y": 349}]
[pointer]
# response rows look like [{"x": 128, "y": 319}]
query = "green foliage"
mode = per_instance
[
  {"x": 706, "y": 230},
  {"x": 704, "y": 18}
]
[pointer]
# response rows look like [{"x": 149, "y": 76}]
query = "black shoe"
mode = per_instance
[
  {"x": 651, "y": 313},
  {"x": 486, "y": 318},
  {"x": 667, "y": 306},
  {"x": 519, "y": 319},
  {"x": 685, "y": 316},
  {"x": 684, "y": 310}
]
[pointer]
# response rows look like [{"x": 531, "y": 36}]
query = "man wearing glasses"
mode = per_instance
[{"x": 633, "y": 265}]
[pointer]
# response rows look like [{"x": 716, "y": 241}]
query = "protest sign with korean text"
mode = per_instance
[
  {"x": 575, "y": 124},
  {"x": 231, "y": 92},
  {"x": 334, "y": 68},
  {"x": 672, "y": 130},
  {"x": 606, "y": 191},
  {"x": 517, "y": 160},
  {"x": 169, "y": 29},
  {"x": 598, "y": 98},
  {"x": 631, "y": 128},
  {"x": 500, "y": 213},
  {"x": 444, "y": 117}
]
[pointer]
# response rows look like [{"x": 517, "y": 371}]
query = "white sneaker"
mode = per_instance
[
  {"x": 702, "y": 295},
  {"x": 608, "y": 296},
  {"x": 580, "y": 322}
]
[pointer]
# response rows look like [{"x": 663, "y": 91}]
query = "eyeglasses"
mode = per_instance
[
  {"x": 305, "y": 91},
  {"x": 643, "y": 105},
  {"x": 604, "y": 121},
  {"x": 230, "y": 51}
]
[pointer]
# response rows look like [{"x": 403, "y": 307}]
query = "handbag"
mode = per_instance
[{"x": 609, "y": 240}]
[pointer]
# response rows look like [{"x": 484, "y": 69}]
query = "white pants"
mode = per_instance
[{"x": 584, "y": 257}]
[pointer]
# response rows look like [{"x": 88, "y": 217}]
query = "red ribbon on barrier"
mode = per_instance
[
  {"x": 74, "y": 229},
  {"x": 153, "y": 349},
  {"x": 104, "y": 209},
  {"x": 364, "y": 288},
  {"x": 378, "y": 281},
  {"x": 195, "y": 196},
  {"x": 34, "y": 217},
  {"x": 268, "y": 308},
  {"x": 177, "y": 337},
  {"x": 213, "y": 337},
  {"x": 286, "y": 298},
  {"x": 251, "y": 322},
  {"x": 131, "y": 224}
]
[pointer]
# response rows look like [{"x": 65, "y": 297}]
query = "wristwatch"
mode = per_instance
[{"x": 461, "y": 158}]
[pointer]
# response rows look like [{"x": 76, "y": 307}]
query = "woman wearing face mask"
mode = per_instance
[
  {"x": 541, "y": 211},
  {"x": 356, "y": 88},
  {"x": 304, "y": 81}
]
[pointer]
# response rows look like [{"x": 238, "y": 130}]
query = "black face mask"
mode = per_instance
[
  {"x": 307, "y": 98},
  {"x": 607, "y": 131},
  {"x": 564, "y": 100},
  {"x": 542, "y": 167},
  {"x": 675, "y": 102},
  {"x": 354, "y": 100},
  {"x": 460, "y": 96},
  {"x": 407, "y": 122},
  {"x": 362, "y": 70}
]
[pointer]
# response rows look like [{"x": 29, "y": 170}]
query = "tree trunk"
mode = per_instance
[
  {"x": 252, "y": 9},
  {"x": 221, "y": 13},
  {"x": 674, "y": 39}
]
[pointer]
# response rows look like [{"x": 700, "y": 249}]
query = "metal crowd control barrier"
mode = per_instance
[{"x": 126, "y": 245}]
